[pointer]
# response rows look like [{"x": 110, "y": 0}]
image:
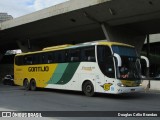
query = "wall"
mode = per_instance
[
  {"x": 154, "y": 84},
  {"x": 124, "y": 35}
]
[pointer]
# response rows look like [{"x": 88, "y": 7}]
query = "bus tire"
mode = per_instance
[
  {"x": 33, "y": 85},
  {"x": 26, "y": 85},
  {"x": 88, "y": 89}
]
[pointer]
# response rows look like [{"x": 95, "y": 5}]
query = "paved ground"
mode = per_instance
[{"x": 16, "y": 98}]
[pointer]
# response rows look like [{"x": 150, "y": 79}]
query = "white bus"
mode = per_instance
[{"x": 95, "y": 67}]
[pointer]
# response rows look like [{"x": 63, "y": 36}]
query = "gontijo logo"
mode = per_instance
[{"x": 38, "y": 69}]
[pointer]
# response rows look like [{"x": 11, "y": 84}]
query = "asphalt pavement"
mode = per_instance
[{"x": 15, "y": 98}]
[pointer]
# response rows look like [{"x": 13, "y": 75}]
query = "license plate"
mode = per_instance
[{"x": 132, "y": 90}]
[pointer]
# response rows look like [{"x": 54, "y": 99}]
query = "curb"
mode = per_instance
[{"x": 152, "y": 91}]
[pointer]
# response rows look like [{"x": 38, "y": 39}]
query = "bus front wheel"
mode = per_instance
[
  {"x": 33, "y": 85},
  {"x": 88, "y": 89},
  {"x": 26, "y": 85}
]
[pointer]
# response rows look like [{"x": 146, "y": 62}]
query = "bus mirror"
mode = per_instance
[
  {"x": 146, "y": 59},
  {"x": 119, "y": 60}
]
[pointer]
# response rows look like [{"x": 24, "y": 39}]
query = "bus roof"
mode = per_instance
[{"x": 70, "y": 46}]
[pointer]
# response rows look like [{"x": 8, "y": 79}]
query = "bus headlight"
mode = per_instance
[{"x": 120, "y": 85}]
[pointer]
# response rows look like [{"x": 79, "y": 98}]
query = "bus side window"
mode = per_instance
[
  {"x": 25, "y": 60},
  {"x": 19, "y": 60},
  {"x": 50, "y": 58},
  {"x": 42, "y": 58},
  {"x": 60, "y": 56},
  {"x": 28, "y": 60},
  {"x": 74, "y": 55},
  {"x": 36, "y": 59},
  {"x": 88, "y": 54},
  {"x": 57, "y": 56}
]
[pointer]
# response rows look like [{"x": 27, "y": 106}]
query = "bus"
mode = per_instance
[{"x": 93, "y": 67}]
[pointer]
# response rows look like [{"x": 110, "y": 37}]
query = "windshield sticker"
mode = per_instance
[
  {"x": 88, "y": 68},
  {"x": 112, "y": 88}
]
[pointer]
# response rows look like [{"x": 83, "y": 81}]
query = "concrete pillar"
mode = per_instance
[{"x": 125, "y": 35}]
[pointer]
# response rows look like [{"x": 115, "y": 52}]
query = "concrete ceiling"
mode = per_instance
[{"x": 80, "y": 25}]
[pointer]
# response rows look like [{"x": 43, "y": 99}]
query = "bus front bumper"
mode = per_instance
[{"x": 121, "y": 90}]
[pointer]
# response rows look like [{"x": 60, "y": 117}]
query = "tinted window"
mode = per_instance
[
  {"x": 19, "y": 60},
  {"x": 28, "y": 60},
  {"x": 60, "y": 56},
  {"x": 50, "y": 57},
  {"x": 105, "y": 61},
  {"x": 88, "y": 54},
  {"x": 37, "y": 59},
  {"x": 124, "y": 51},
  {"x": 74, "y": 55}
]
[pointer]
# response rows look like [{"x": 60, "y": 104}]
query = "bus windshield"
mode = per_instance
[{"x": 130, "y": 68}]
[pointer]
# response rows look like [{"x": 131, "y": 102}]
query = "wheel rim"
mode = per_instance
[
  {"x": 33, "y": 85},
  {"x": 26, "y": 84},
  {"x": 88, "y": 89}
]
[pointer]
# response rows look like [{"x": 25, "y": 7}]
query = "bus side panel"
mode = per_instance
[
  {"x": 76, "y": 74},
  {"x": 40, "y": 73},
  {"x": 63, "y": 77},
  {"x": 67, "y": 76},
  {"x": 90, "y": 71},
  {"x": 18, "y": 72}
]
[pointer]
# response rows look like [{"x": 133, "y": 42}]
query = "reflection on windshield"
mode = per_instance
[
  {"x": 130, "y": 68},
  {"x": 124, "y": 73}
]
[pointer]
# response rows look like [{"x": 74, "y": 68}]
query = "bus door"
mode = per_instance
[{"x": 106, "y": 66}]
